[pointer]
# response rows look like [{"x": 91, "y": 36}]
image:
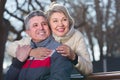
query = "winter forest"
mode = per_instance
[{"x": 98, "y": 20}]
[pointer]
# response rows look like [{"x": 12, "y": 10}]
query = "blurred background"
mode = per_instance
[{"x": 98, "y": 20}]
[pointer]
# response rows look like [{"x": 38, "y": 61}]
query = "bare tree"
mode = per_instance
[
  {"x": 98, "y": 32},
  {"x": 52, "y": 0},
  {"x": 3, "y": 36}
]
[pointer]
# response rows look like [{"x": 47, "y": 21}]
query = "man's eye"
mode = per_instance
[
  {"x": 44, "y": 23},
  {"x": 35, "y": 25}
]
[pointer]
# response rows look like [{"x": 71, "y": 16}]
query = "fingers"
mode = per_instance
[
  {"x": 46, "y": 50},
  {"x": 66, "y": 51},
  {"x": 22, "y": 52},
  {"x": 41, "y": 52},
  {"x": 63, "y": 49}
]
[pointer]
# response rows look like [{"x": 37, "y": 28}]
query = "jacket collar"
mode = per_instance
[{"x": 41, "y": 44}]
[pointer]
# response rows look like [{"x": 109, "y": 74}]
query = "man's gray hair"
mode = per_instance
[{"x": 33, "y": 14}]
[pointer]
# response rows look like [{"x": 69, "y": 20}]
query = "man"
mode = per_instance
[{"x": 53, "y": 67}]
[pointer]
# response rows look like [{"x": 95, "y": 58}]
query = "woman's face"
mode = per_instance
[{"x": 59, "y": 24}]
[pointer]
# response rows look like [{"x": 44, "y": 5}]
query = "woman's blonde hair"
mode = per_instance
[{"x": 54, "y": 7}]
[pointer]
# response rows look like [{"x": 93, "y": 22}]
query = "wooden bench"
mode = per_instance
[
  {"x": 114, "y": 75},
  {"x": 77, "y": 77}
]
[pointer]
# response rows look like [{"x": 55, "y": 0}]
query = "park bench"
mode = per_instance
[{"x": 113, "y": 75}]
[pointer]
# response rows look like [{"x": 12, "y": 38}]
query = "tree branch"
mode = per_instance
[{"x": 14, "y": 15}]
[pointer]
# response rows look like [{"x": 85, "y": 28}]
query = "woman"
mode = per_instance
[
  {"x": 74, "y": 47},
  {"x": 62, "y": 26}
]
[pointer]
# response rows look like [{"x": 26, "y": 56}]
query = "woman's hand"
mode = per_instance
[
  {"x": 22, "y": 52},
  {"x": 66, "y": 51},
  {"x": 40, "y": 52}
]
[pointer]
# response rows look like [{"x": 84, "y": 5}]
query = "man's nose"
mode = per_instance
[{"x": 41, "y": 27}]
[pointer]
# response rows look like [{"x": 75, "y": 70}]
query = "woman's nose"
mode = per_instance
[{"x": 60, "y": 23}]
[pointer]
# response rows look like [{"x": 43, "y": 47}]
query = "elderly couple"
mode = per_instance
[{"x": 51, "y": 50}]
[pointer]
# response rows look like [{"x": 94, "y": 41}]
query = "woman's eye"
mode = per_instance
[
  {"x": 55, "y": 21},
  {"x": 65, "y": 19}
]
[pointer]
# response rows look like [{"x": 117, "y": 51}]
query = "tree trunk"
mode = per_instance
[
  {"x": 3, "y": 37},
  {"x": 52, "y": 0}
]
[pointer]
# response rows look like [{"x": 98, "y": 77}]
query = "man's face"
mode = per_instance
[{"x": 38, "y": 29}]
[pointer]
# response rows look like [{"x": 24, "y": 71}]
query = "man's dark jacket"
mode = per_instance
[{"x": 55, "y": 67}]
